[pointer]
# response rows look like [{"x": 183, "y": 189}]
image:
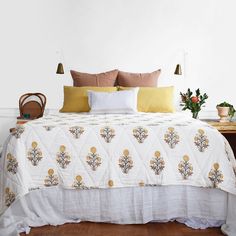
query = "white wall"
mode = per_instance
[{"x": 132, "y": 35}]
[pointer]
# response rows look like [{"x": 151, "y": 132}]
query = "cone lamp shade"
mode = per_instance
[
  {"x": 60, "y": 69},
  {"x": 178, "y": 70}
]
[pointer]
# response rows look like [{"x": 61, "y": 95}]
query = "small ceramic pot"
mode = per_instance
[{"x": 223, "y": 113}]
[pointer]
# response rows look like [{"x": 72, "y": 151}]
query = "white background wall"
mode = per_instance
[{"x": 132, "y": 35}]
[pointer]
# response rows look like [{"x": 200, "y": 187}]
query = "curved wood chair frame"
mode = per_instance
[{"x": 40, "y": 105}]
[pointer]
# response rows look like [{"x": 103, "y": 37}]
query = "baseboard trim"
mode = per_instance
[
  {"x": 14, "y": 112},
  {"x": 9, "y": 112}
]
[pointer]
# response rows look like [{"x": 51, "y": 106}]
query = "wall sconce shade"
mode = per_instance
[
  {"x": 60, "y": 69},
  {"x": 178, "y": 70}
]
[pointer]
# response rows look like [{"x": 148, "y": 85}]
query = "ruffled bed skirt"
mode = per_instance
[{"x": 193, "y": 206}]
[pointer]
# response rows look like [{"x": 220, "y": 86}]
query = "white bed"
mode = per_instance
[{"x": 70, "y": 168}]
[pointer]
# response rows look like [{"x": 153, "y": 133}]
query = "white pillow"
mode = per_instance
[{"x": 113, "y": 102}]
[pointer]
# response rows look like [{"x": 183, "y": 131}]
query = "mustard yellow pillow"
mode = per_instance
[
  {"x": 76, "y": 98},
  {"x": 152, "y": 99}
]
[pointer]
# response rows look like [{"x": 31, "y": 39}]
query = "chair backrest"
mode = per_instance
[{"x": 32, "y": 105}]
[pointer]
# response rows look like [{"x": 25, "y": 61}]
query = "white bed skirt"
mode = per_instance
[{"x": 196, "y": 207}]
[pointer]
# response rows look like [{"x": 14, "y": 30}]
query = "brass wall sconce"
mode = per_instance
[
  {"x": 60, "y": 69},
  {"x": 178, "y": 70}
]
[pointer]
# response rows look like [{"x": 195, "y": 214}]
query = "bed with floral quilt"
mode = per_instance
[{"x": 99, "y": 163}]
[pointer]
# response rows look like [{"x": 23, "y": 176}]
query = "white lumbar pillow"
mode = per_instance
[{"x": 113, "y": 102}]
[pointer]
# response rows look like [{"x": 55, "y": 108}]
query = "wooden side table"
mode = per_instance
[{"x": 228, "y": 129}]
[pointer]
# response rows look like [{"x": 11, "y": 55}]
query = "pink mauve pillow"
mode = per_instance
[
  {"x": 105, "y": 79},
  {"x": 127, "y": 79}
]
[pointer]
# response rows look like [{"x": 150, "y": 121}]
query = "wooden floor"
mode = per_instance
[{"x": 99, "y": 229}]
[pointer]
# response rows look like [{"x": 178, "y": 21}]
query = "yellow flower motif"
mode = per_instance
[
  {"x": 63, "y": 157},
  {"x": 215, "y": 175},
  {"x": 171, "y": 129},
  {"x": 12, "y": 164},
  {"x": 78, "y": 183},
  {"x": 140, "y": 134},
  {"x": 93, "y": 149},
  {"x": 126, "y": 152},
  {"x": 9, "y": 197},
  {"x": 185, "y": 168},
  {"x": 157, "y": 163},
  {"x": 201, "y": 131},
  {"x": 34, "y": 144},
  {"x": 107, "y": 133},
  {"x": 186, "y": 158},
  {"x": 62, "y": 148},
  {"x": 51, "y": 179},
  {"x": 110, "y": 183},
  {"x": 76, "y": 131},
  {"x": 78, "y": 178},
  {"x": 157, "y": 154},
  {"x": 34, "y": 154},
  {"x": 171, "y": 137},
  {"x": 216, "y": 166},
  {"x": 125, "y": 162},
  {"x": 50, "y": 172},
  {"x": 93, "y": 159},
  {"x": 201, "y": 141}
]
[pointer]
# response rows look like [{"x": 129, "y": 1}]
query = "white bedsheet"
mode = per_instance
[{"x": 194, "y": 206}]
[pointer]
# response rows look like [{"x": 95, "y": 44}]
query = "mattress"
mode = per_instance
[{"x": 83, "y": 152}]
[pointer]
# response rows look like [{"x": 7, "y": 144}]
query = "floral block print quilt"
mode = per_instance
[{"x": 83, "y": 151}]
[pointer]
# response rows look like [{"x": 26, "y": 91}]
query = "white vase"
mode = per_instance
[{"x": 223, "y": 113}]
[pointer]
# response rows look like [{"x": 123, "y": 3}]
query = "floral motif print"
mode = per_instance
[
  {"x": 93, "y": 159},
  {"x": 215, "y": 175},
  {"x": 48, "y": 127},
  {"x": 76, "y": 131},
  {"x": 34, "y": 154},
  {"x": 185, "y": 168},
  {"x": 78, "y": 183},
  {"x": 9, "y": 197},
  {"x": 51, "y": 179},
  {"x": 157, "y": 163},
  {"x": 63, "y": 158},
  {"x": 140, "y": 134},
  {"x": 125, "y": 162},
  {"x": 107, "y": 133},
  {"x": 201, "y": 140},
  {"x": 12, "y": 164},
  {"x": 18, "y": 131},
  {"x": 171, "y": 137}
]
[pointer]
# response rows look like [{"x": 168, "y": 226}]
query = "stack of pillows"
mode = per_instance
[{"x": 117, "y": 92}]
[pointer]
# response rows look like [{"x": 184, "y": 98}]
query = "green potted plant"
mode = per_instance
[
  {"x": 193, "y": 102},
  {"x": 225, "y": 111}
]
